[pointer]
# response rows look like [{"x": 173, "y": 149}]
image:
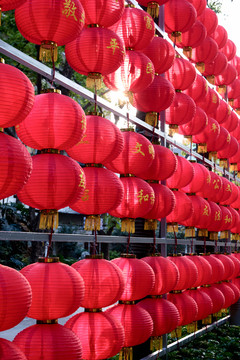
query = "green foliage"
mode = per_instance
[{"x": 215, "y": 5}]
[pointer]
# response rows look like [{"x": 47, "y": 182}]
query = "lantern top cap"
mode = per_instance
[
  {"x": 95, "y": 256},
  {"x": 48, "y": 259},
  {"x": 2, "y": 61},
  {"x": 128, "y": 256},
  {"x": 50, "y": 91}
]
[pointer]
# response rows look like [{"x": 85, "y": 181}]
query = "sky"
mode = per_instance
[{"x": 230, "y": 19}]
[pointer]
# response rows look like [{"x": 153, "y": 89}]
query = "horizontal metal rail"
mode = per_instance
[{"x": 185, "y": 340}]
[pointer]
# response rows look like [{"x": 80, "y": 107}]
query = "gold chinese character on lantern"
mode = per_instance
[
  {"x": 228, "y": 138},
  {"x": 142, "y": 197},
  {"x": 69, "y": 9},
  {"x": 149, "y": 69},
  {"x": 209, "y": 179},
  {"x": 217, "y": 215},
  {"x": 82, "y": 180},
  {"x": 152, "y": 199},
  {"x": 206, "y": 211},
  {"x": 228, "y": 188},
  {"x": 83, "y": 122},
  {"x": 83, "y": 140},
  {"x": 214, "y": 127},
  {"x": 227, "y": 219},
  {"x": 138, "y": 149},
  {"x": 148, "y": 22},
  {"x": 216, "y": 184},
  {"x": 151, "y": 151},
  {"x": 113, "y": 45},
  {"x": 85, "y": 196},
  {"x": 214, "y": 99}
]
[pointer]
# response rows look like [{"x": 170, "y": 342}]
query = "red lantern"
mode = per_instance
[
  {"x": 232, "y": 121},
  {"x": 165, "y": 316},
  {"x": 96, "y": 52},
  {"x": 227, "y": 222},
  {"x": 187, "y": 272},
  {"x": 17, "y": 95},
  {"x": 191, "y": 38},
  {"x": 233, "y": 90},
  {"x": 196, "y": 125},
  {"x": 236, "y": 62},
  {"x": 102, "y": 142},
  {"x": 183, "y": 210},
  {"x": 16, "y": 297},
  {"x": 210, "y": 133},
  {"x": 154, "y": 99},
  {"x": 103, "y": 14},
  {"x": 103, "y": 192},
  {"x": 52, "y": 341},
  {"x": 215, "y": 224},
  {"x": 216, "y": 67},
  {"x": 161, "y": 53},
  {"x": 228, "y": 294},
  {"x": 204, "y": 270},
  {"x": 136, "y": 156},
  {"x": 217, "y": 268},
  {"x": 199, "y": 180},
  {"x": 198, "y": 89},
  {"x": 181, "y": 111},
  {"x": 183, "y": 174},
  {"x": 236, "y": 264},
  {"x": 152, "y": 6},
  {"x": 228, "y": 264},
  {"x": 135, "y": 73},
  {"x": 16, "y": 165},
  {"x": 10, "y": 5},
  {"x": 163, "y": 165},
  {"x": 216, "y": 143},
  {"x": 226, "y": 191},
  {"x": 229, "y": 49},
  {"x": 67, "y": 185},
  {"x": 136, "y": 321},
  {"x": 217, "y": 298},
  {"x": 186, "y": 307},
  {"x": 235, "y": 289},
  {"x": 134, "y": 271},
  {"x": 199, "y": 5},
  {"x": 226, "y": 77},
  {"x": 222, "y": 112},
  {"x": 50, "y": 24},
  {"x": 212, "y": 188},
  {"x": 230, "y": 150},
  {"x": 166, "y": 274},
  {"x": 204, "y": 53},
  {"x": 57, "y": 289},
  {"x": 220, "y": 35},
  {"x": 103, "y": 280},
  {"x": 135, "y": 28},
  {"x": 55, "y": 121},
  {"x": 10, "y": 351},
  {"x": 209, "y": 19},
  {"x": 181, "y": 74},
  {"x": 236, "y": 132},
  {"x": 204, "y": 303},
  {"x": 210, "y": 103},
  {"x": 179, "y": 15}
]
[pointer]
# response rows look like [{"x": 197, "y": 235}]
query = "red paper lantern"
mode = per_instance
[
  {"x": 220, "y": 35},
  {"x": 166, "y": 274},
  {"x": 227, "y": 292},
  {"x": 179, "y": 15},
  {"x": 217, "y": 268},
  {"x": 222, "y": 112},
  {"x": 232, "y": 121},
  {"x": 135, "y": 74},
  {"x": 216, "y": 143},
  {"x": 50, "y": 24},
  {"x": 55, "y": 121},
  {"x": 10, "y": 351},
  {"x": 213, "y": 187},
  {"x": 17, "y": 95},
  {"x": 155, "y": 98},
  {"x": 49, "y": 341},
  {"x": 236, "y": 132},
  {"x": 67, "y": 185},
  {"x": 210, "y": 133},
  {"x": 134, "y": 271},
  {"x": 199, "y": 180},
  {"x": 227, "y": 222},
  {"x": 203, "y": 301},
  {"x": 237, "y": 265},
  {"x": 191, "y": 38},
  {"x": 215, "y": 224},
  {"x": 199, "y": 5},
  {"x": 196, "y": 125},
  {"x": 229, "y": 49},
  {"x": 103, "y": 192},
  {"x": 235, "y": 289},
  {"x": 236, "y": 62},
  {"x": 183, "y": 174},
  {"x": 16, "y": 165},
  {"x": 102, "y": 142},
  {"x": 161, "y": 53},
  {"x": 198, "y": 89},
  {"x": 227, "y": 76},
  {"x": 135, "y": 28},
  {"x": 186, "y": 307},
  {"x": 183, "y": 210},
  {"x": 103, "y": 14},
  {"x": 210, "y": 103},
  {"x": 57, "y": 289},
  {"x": 233, "y": 90},
  {"x": 204, "y": 53},
  {"x": 103, "y": 280},
  {"x": 230, "y": 150},
  {"x": 16, "y": 297},
  {"x": 209, "y": 19},
  {"x": 10, "y": 5},
  {"x": 216, "y": 67},
  {"x": 217, "y": 298},
  {"x": 228, "y": 264},
  {"x": 136, "y": 156},
  {"x": 163, "y": 165},
  {"x": 187, "y": 272},
  {"x": 204, "y": 270},
  {"x": 181, "y": 74},
  {"x": 96, "y": 52},
  {"x": 136, "y": 321}
]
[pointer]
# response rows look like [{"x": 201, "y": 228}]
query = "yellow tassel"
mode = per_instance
[
  {"x": 48, "y": 51},
  {"x": 223, "y": 163},
  {"x": 213, "y": 155},
  {"x": 172, "y": 227},
  {"x": 94, "y": 81},
  {"x": 177, "y": 333},
  {"x": 126, "y": 353},
  {"x": 234, "y": 236},
  {"x": 189, "y": 232},
  {"x": 224, "y": 312},
  {"x": 207, "y": 320},
  {"x": 92, "y": 222},
  {"x": 201, "y": 67},
  {"x": 221, "y": 90},
  {"x": 211, "y": 79},
  {"x": 177, "y": 35},
  {"x": 128, "y": 225},
  {"x": 187, "y": 50},
  {"x": 231, "y": 101},
  {"x": 224, "y": 234},
  {"x": 48, "y": 219},
  {"x": 173, "y": 129},
  {"x": 153, "y": 9},
  {"x": 187, "y": 139},
  {"x": 150, "y": 224},
  {"x": 192, "y": 327},
  {"x": 237, "y": 111},
  {"x": 156, "y": 343},
  {"x": 202, "y": 148},
  {"x": 218, "y": 314},
  {"x": 213, "y": 235},
  {"x": 151, "y": 118},
  {"x": 203, "y": 232},
  {"x": 233, "y": 167}
]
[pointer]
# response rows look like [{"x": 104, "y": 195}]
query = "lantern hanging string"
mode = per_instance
[
  {"x": 53, "y": 63},
  {"x": 95, "y": 242},
  {"x": 95, "y": 98},
  {"x": 128, "y": 243},
  {"x": 191, "y": 244},
  {"x": 216, "y": 243},
  {"x": 175, "y": 244},
  {"x": 154, "y": 242},
  {"x": 236, "y": 245},
  {"x": 128, "y": 123},
  {"x": 204, "y": 246},
  {"x": 49, "y": 242}
]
